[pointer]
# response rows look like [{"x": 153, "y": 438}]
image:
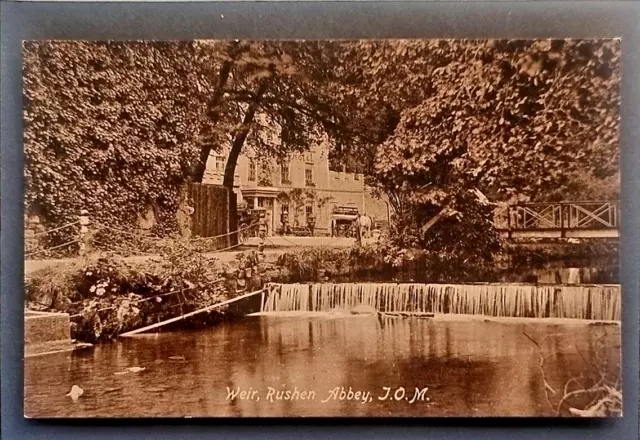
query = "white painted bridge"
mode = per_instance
[{"x": 589, "y": 219}]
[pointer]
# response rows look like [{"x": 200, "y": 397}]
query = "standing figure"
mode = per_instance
[
  {"x": 262, "y": 233},
  {"x": 262, "y": 225},
  {"x": 284, "y": 219},
  {"x": 311, "y": 223},
  {"x": 268, "y": 231},
  {"x": 358, "y": 230}
]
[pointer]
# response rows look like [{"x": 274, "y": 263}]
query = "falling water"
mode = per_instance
[{"x": 596, "y": 302}]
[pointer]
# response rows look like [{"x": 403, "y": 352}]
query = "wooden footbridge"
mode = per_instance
[{"x": 561, "y": 220}]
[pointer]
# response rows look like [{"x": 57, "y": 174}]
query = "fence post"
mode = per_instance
[{"x": 84, "y": 232}]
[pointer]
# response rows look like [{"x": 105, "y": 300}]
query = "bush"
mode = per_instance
[
  {"x": 381, "y": 261},
  {"x": 385, "y": 261},
  {"x": 109, "y": 295}
]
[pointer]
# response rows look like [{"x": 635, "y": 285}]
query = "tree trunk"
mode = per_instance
[
  {"x": 236, "y": 149},
  {"x": 212, "y": 113},
  {"x": 444, "y": 212},
  {"x": 241, "y": 136},
  {"x": 213, "y": 109}
]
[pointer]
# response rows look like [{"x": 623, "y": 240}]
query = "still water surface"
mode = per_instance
[{"x": 468, "y": 368}]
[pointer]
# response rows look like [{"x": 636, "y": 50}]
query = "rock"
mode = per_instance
[
  {"x": 42, "y": 297},
  {"x": 136, "y": 369},
  {"x": 75, "y": 393},
  {"x": 61, "y": 303}
]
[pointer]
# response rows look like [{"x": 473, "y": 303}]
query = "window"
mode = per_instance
[
  {"x": 308, "y": 176},
  {"x": 284, "y": 173},
  {"x": 260, "y": 202},
  {"x": 308, "y": 157},
  {"x": 308, "y": 209},
  {"x": 252, "y": 171},
  {"x": 220, "y": 162},
  {"x": 356, "y": 176}
]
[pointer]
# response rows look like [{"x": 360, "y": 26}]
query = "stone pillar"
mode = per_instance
[
  {"x": 84, "y": 232},
  {"x": 275, "y": 218},
  {"x": 255, "y": 202}
]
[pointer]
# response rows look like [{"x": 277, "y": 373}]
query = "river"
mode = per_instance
[{"x": 460, "y": 367}]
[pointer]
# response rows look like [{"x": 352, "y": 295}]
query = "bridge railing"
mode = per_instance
[{"x": 563, "y": 216}]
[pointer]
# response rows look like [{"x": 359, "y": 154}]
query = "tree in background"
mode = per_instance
[
  {"x": 529, "y": 119},
  {"x": 273, "y": 99}
]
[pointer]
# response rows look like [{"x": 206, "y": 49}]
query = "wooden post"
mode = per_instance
[{"x": 84, "y": 233}]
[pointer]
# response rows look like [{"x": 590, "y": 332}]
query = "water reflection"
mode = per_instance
[{"x": 471, "y": 368}]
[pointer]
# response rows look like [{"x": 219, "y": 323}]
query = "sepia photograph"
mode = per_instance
[{"x": 331, "y": 228}]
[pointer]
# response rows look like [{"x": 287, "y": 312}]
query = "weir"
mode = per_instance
[{"x": 595, "y": 302}]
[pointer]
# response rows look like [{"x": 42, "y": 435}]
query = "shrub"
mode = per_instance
[{"x": 108, "y": 296}]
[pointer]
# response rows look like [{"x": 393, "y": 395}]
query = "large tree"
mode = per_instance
[
  {"x": 530, "y": 119},
  {"x": 277, "y": 98},
  {"x": 281, "y": 97}
]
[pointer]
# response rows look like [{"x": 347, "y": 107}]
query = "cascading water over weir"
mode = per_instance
[{"x": 594, "y": 302}]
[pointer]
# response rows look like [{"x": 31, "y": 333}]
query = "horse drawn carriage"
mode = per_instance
[{"x": 343, "y": 221}]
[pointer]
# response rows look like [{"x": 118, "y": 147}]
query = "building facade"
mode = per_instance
[{"x": 302, "y": 186}]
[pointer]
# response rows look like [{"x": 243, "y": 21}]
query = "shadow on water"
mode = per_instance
[{"x": 467, "y": 368}]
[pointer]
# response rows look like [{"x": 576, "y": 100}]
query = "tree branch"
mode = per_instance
[
  {"x": 242, "y": 133},
  {"x": 213, "y": 108},
  {"x": 444, "y": 212},
  {"x": 323, "y": 117}
]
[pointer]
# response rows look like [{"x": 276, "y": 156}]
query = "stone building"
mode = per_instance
[{"x": 303, "y": 186}]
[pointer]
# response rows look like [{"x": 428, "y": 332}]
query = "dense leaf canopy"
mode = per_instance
[
  {"x": 112, "y": 127},
  {"x": 523, "y": 120}
]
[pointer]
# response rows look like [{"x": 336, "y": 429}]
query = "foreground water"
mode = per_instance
[{"x": 460, "y": 367}]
